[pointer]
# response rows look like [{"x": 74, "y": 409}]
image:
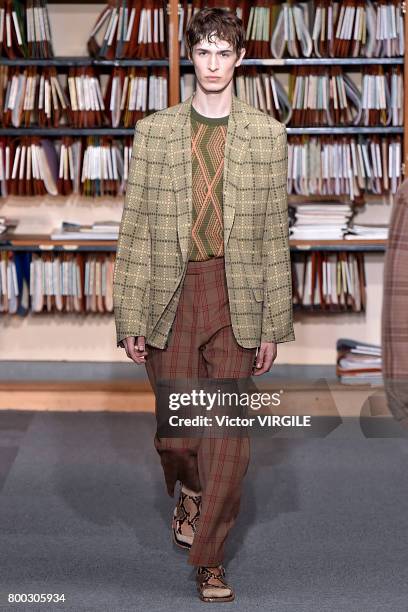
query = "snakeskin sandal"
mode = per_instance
[
  {"x": 184, "y": 524},
  {"x": 209, "y": 591}
]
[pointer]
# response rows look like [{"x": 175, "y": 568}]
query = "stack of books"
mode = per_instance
[{"x": 358, "y": 362}]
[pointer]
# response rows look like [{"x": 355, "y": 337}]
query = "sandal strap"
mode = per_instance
[
  {"x": 183, "y": 515},
  {"x": 212, "y": 592},
  {"x": 207, "y": 572},
  {"x": 189, "y": 492},
  {"x": 196, "y": 499}
]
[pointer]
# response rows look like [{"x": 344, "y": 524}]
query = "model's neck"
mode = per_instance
[{"x": 213, "y": 104}]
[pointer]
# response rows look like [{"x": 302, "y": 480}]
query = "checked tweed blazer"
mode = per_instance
[{"x": 155, "y": 230}]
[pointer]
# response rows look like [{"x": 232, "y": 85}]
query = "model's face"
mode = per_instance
[{"x": 214, "y": 64}]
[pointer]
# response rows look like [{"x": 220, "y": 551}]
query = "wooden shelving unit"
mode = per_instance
[
  {"x": 131, "y": 395},
  {"x": 174, "y": 63},
  {"x": 106, "y": 131},
  {"x": 76, "y": 60},
  {"x": 38, "y": 243}
]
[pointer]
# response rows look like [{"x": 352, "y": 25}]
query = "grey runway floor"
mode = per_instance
[{"x": 84, "y": 512}]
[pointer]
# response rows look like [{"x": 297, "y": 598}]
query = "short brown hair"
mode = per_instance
[{"x": 221, "y": 23}]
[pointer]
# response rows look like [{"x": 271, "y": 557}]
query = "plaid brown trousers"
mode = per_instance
[{"x": 202, "y": 344}]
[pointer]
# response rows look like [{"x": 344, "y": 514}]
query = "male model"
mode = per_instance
[{"x": 202, "y": 276}]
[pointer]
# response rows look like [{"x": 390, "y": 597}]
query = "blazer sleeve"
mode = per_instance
[
  {"x": 277, "y": 317},
  {"x": 131, "y": 279}
]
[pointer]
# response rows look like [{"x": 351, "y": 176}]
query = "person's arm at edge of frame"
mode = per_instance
[
  {"x": 277, "y": 325},
  {"x": 131, "y": 280}
]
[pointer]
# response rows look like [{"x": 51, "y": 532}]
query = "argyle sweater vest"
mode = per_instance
[{"x": 208, "y": 136}]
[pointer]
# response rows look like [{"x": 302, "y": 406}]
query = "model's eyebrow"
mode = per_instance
[{"x": 220, "y": 51}]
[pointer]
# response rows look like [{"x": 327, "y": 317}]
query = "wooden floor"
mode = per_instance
[{"x": 137, "y": 396}]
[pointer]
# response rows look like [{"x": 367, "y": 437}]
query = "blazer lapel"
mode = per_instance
[{"x": 237, "y": 147}]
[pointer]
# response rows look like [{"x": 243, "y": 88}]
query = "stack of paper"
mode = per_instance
[
  {"x": 326, "y": 221},
  {"x": 367, "y": 231},
  {"x": 100, "y": 230},
  {"x": 358, "y": 362}
]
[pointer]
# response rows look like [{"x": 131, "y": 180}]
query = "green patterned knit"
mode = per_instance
[{"x": 208, "y": 136}]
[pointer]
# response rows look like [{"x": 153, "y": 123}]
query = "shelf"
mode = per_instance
[
  {"x": 67, "y": 131},
  {"x": 107, "y": 131},
  {"x": 90, "y": 61},
  {"x": 42, "y": 242},
  {"x": 81, "y": 61},
  {"x": 365, "y": 246},
  {"x": 315, "y": 61},
  {"x": 39, "y": 243},
  {"x": 75, "y": 2},
  {"x": 299, "y": 131}
]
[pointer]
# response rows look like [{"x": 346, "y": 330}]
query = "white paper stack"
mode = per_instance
[
  {"x": 321, "y": 221},
  {"x": 367, "y": 231},
  {"x": 100, "y": 230}
]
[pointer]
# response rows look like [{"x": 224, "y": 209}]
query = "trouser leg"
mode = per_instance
[
  {"x": 222, "y": 461},
  {"x": 180, "y": 360}
]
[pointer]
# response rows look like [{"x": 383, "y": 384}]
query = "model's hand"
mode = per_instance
[
  {"x": 265, "y": 358},
  {"x": 135, "y": 348}
]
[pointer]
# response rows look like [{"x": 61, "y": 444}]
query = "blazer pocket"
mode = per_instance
[{"x": 258, "y": 293}]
